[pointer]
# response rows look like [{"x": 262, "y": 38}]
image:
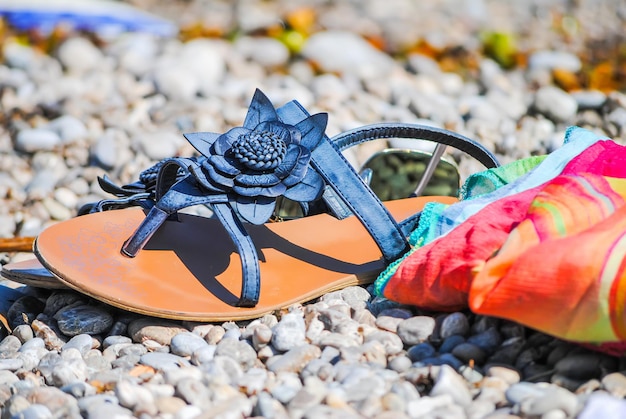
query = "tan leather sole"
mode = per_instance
[{"x": 190, "y": 270}]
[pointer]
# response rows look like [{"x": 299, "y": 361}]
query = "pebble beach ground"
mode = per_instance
[{"x": 512, "y": 75}]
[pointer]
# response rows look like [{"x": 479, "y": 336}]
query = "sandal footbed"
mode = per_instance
[{"x": 189, "y": 269}]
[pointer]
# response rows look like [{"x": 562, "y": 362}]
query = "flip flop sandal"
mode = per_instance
[{"x": 182, "y": 266}]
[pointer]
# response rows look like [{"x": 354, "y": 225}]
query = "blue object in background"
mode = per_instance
[{"x": 103, "y": 17}]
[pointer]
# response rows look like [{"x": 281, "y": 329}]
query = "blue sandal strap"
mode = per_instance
[
  {"x": 348, "y": 185},
  {"x": 251, "y": 275},
  {"x": 415, "y": 131}
]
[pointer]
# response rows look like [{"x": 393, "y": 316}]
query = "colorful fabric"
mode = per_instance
[
  {"x": 562, "y": 270},
  {"x": 441, "y": 218},
  {"x": 549, "y": 254}
]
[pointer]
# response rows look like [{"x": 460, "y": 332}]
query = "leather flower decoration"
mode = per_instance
[{"x": 261, "y": 161}]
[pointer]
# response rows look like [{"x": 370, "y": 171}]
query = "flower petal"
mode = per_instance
[
  {"x": 299, "y": 169},
  {"x": 217, "y": 177},
  {"x": 289, "y": 161},
  {"x": 222, "y": 165},
  {"x": 255, "y": 211},
  {"x": 252, "y": 191},
  {"x": 287, "y": 133},
  {"x": 202, "y": 141},
  {"x": 312, "y": 130},
  {"x": 260, "y": 179},
  {"x": 225, "y": 141},
  {"x": 309, "y": 189},
  {"x": 260, "y": 110}
]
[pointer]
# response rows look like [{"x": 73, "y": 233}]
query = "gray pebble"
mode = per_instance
[
  {"x": 238, "y": 350},
  {"x": 163, "y": 361},
  {"x": 391, "y": 342},
  {"x": 294, "y": 360},
  {"x": 23, "y": 332},
  {"x": 186, "y": 343},
  {"x": 416, "y": 329},
  {"x": 467, "y": 352},
  {"x": 450, "y": 343},
  {"x": 454, "y": 324},
  {"x": 449, "y": 382},
  {"x": 82, "y": 342},
  {"x": 161, "y": 331},
  {"x": 84, "y": 319},
  {"x": 11, "y": 364},
  {"x": 37, "y": 139},
  {"x": 289, "y": 333},
  {"x": 556, "y": 104},
  {"x": 421, "y": 351},
  {"x": 585, "y": 366},
  {"x": 488, "y": 341}
]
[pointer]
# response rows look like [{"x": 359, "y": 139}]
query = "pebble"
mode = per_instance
[
  {"x": 37, "y": 139},
  {"x": 289, "y": 333},
  {"x": 161, "y": 331},
  {"x": 454, "y": 324},
  {"x": 81, "y": 319},
  {"x": 186, "y": 343},
  {"x": 416, "y": 329},
  {"x": 556, "y": 104}
]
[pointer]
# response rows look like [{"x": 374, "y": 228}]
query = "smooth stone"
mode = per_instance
[
  {"x": 556, "y": 104},
  {"x": 82, "y": 342},
  {"x": 294, "y": 360},
  {"x": 23, "y": 332},
  {"x": 11, "y": 364},
  {"x": 488, "y": 341},
  {"x": 79, "y": 389},
  {"x": 450, "y": 343},
  {"x": 69, "y": 128},
  {"x": 391, "y": 342},
  {"x": 59, "y": 403},
  {"x": 550, "y": 60},
  {"x": 454, "y": 324},
  {"x": 615, "y": 383},
  {"x": 268, "y": 407},
  {"x": 161, "y": 331},
  {"x": 421, "y": 351},
  {"x": 132, "y": 395},
  {"x": 83, "y": 319},
  {"x": 346, "y": 52},
  {"x": 163, "y": 361},
  {"x": 37, "y": 139},
  {"x": 115, "y": 340},
  {"x": 49, "y": 335},
  {"x": 427, "y": 404},
  {"x": 509, "y": 375},
  {"x": 589, "y": 99},
  {"x": 266, "y": 51},
  {"x": 400, "y": 363},
  {"x": 467, "y": 352},
  {"x": 286, "y": 386},
  {"x": 62, "y": 299},
  {"x": 443, "y": 359},
  {"x": 186, "y": 343},
  {"x": 238, "y": 350},
  {"x": 158, "y": 145},
  {"x": 35, "y": 411},
  {"x": 449, "y": 382},
  {"x": 79, "y": 55},
  {"x": 388, "y": 323},
  {"x": 602, "y": 405},
  {"x": 10, "y": 345},
  {"x": 508, "y": 352},
  {"x": 26, "y": 307},
  {"x": 553, "y": 398},
  {"x": 261, "y": 336},
  {"x": 253, "y": 381},
  {"x": 356, "y": 297},
  {"x": 105, "y": 152},
  {"x": 416, "y": 329},
  {"x": 585, "y": 366},
  {"x": 290, "y": 332}
]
